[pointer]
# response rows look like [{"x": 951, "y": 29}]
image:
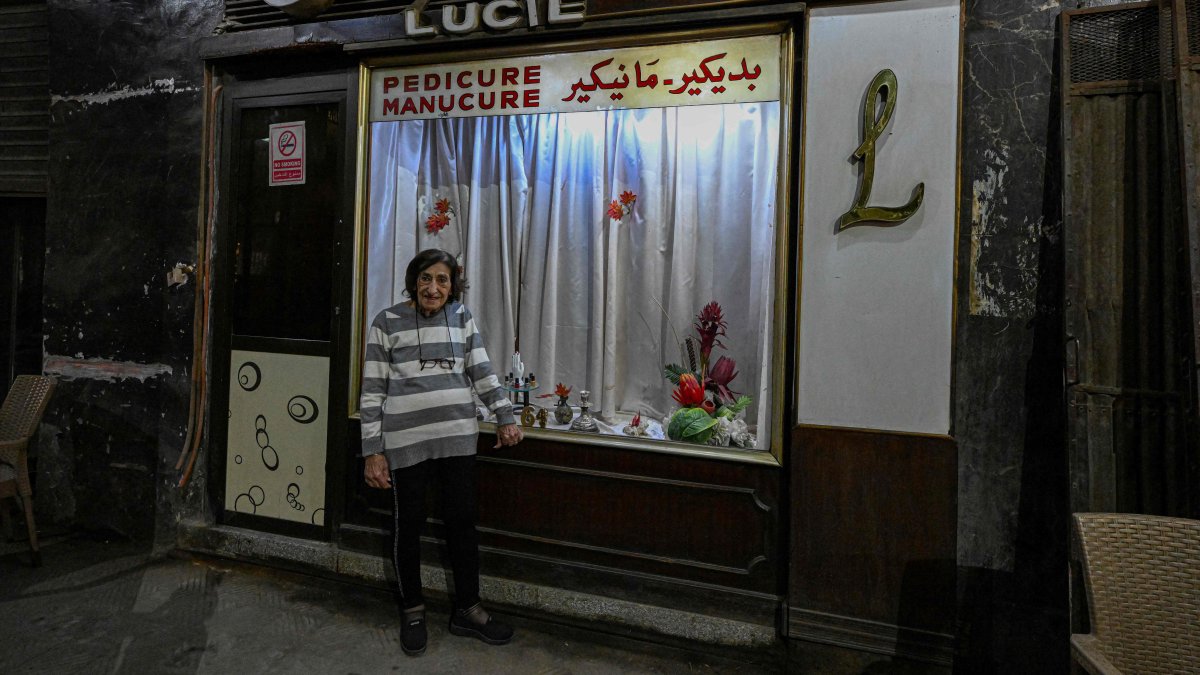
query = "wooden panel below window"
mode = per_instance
[
  {"x": 693, "y": 519},
  {"x": 635, "y": 524},
  {"x": 873, "y": 538}
]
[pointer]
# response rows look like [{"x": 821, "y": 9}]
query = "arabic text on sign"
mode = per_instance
[{"x": 702, "y": 74}]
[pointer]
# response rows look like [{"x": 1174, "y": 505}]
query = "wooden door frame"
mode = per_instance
[{"x": 237, "y": 95}]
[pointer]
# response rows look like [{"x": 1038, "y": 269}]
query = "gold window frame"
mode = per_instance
[{"x": 773, "y": 454}]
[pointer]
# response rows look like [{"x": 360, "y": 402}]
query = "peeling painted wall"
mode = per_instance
[{"x": 125, "y": 136}]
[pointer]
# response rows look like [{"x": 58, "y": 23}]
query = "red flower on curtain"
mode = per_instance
[
  {"x": 619, "y": 208},
  {"x": 440, "y": 218},
  {"x": 614, "y": 210},
  {"x": 436, "y": 222}
]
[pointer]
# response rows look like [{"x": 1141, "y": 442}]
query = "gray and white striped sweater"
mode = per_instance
[{"x": 412, "y": 414}]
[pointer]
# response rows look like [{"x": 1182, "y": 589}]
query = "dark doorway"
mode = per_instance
[{"x": 22, "y": 245}]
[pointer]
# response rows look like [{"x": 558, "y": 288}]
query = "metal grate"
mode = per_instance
[
  {"x": 249, "y": 14},
  {"x": 1113, "y": 46},
  {"x": 1191, "y": 10},
  {"x": 24, "y": 97},
  {"x": 1166, "y": 33}
]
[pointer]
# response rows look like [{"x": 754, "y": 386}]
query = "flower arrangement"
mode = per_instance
[
  {"x": 619, "y": 208},
  {"x": 708, "y": 407}
]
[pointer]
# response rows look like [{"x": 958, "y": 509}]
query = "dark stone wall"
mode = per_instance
[
  {"x": 124, "y": 188},
  {"x": 1009, "y": 409}
]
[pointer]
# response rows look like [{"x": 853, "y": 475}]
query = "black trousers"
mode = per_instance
[{"x": 455, "y": 477}]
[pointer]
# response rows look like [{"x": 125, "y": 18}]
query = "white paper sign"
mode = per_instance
[{"x": 287, "y": 154}]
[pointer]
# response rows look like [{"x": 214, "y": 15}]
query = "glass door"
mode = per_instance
[{"x": 276, "y": 321}]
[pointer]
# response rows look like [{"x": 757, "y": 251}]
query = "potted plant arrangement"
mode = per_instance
[{"x": 708, "y": 408}]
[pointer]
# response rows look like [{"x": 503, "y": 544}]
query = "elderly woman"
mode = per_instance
[{"x": 423, "y": 358}]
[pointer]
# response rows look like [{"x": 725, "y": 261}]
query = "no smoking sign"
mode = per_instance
[{"x": 287, "y": 153}]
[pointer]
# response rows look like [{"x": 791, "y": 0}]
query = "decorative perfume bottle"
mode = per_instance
[
  {"x": 563, "y": 412},
  {"x": 584, "y": 422}
]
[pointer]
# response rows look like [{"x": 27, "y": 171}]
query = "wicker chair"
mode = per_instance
[
  {"x": 1142, "y": 577},
  {"x": 19, "y": 419}
]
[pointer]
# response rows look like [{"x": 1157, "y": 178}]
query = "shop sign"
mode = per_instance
[
  {"x": 287, "y": 153},
  {"x": 736, "y": 70},
  {"x": 496, "y": 15}
]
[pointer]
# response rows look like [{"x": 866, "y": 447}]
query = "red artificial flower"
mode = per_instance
[
  {"x": 562, "y": 390},
  {"x": 614, "y": 210},
  {"x": 637, "y": 419},
  {"x": 442, "y": 206},
  {"x": 436, "y": 222},
  {"x": 628, "y": 198},
  {"x": 720, "y": 376},
  {"x": 688, "y": 394},
  {"x": 708, "y": 406},
  {"x": 710, "y": 324}
]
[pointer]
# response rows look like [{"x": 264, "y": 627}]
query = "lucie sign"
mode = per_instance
[
  {"x": 496, "y": 15},
  {"x": 462, "y": 17}
]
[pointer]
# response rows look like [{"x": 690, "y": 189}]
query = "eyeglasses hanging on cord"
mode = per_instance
[{"x": 445, "y": 363}]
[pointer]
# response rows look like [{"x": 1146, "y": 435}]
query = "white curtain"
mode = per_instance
[{"x": 597, "y": 304}]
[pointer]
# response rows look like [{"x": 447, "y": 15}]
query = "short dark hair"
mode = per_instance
[{"x": 426, "y": 259}]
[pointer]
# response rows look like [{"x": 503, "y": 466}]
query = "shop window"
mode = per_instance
[{"x": 592, "y": 242}]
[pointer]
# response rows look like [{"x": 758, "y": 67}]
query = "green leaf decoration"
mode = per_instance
[
  {"x": 730, "y": 411},
  {"x": 692, "y": 425},
  {"x": 676, "y": 425},
  {"x": 672, "y": 371},
  {"x": 699, "y": 429}
]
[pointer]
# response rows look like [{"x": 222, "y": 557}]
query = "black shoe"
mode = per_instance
[
  {"x": 413, "y": 635},
  {"x": 476, "y": 623}
]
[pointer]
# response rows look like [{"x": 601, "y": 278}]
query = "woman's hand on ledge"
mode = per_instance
[{"x": 508, "y": 434}]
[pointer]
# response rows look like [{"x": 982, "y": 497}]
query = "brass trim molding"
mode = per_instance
[
  {"x": 761, "y": 457},
  {"x": 359, "y": 300},
  {"x": 888, "y": 432}
]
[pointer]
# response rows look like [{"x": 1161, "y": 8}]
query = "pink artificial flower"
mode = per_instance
[{"x": 720, "y": 376}]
